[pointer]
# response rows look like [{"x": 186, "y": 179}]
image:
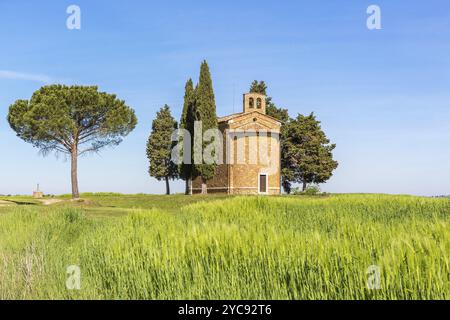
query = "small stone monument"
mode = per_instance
[{"x": 38, "y": 194}]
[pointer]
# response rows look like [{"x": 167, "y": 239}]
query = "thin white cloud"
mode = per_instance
[{"x": 13, "y": 75}]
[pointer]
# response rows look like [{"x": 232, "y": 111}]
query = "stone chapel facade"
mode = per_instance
[{"x": 251, "y": 152}]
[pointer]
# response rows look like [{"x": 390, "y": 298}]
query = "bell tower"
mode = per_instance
[{"x": 254, "y": 102}]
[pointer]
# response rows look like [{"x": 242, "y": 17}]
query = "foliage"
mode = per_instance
[
  {"x": 59, "y": 118},
  {"x": 159, "y": 146},
  {"x": 309, "y": 151},
  {"x": 205, "y": 111},
  {"x": 271, "y": 109},
  {"x": 239, "y": 248},
  {"x": 187, "y": 123},
  {"x": 71, "y": 120},
  {"x": 312, "y": 190}
]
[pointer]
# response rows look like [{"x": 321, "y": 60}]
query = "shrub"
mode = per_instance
[{"x": 310, "y": 191}]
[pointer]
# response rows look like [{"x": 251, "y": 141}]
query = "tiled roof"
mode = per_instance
[
  {"x": 229, "y": 117},
  {"x": 236, "y": 115}
]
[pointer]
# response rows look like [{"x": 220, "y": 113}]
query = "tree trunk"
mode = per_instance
[
  {"x": 204, "y": 187},
  {"x": 167, "y": 186},
  {"x": 304, "y": 186},
  {"x": 286, "y": 186},
  {"x": 74, "y": 174},
  {"x": 187, "y": 191}
]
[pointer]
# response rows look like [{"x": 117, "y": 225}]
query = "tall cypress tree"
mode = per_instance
[
  {"x": 187, "y": 123},
  {"x": 159, "y": 147},
  {"x": 205, "y": 111}
]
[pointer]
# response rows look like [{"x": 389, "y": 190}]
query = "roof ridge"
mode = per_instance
[{"x": 235, "y": 115}]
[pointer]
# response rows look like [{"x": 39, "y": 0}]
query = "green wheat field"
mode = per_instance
[{"x": 217, "y": 247}]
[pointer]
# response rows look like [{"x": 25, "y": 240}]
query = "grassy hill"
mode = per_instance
[{"x": 215, "y": 247}]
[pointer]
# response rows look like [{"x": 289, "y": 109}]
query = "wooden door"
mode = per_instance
[{"x": 262, "y": 183}]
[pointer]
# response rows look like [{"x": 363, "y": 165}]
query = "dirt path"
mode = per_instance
[
  {"x": 49, "y": 202},
  {"x": 6, "y": 203}
]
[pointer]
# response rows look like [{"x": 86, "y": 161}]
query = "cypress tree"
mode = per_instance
[
  {"x": 187, "y": 123},
  {"x": 159, "y": 147},
  {"x": 205, "y": 111}
]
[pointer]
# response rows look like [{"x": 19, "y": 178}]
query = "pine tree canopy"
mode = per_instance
[
  {"x": 61, "y": 118},
  {"x": 71, "y": 120}
]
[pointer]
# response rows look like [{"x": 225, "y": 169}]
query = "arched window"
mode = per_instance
[
  {"x": 259, "y": 103},
  {"x": 251, "y": 103}
]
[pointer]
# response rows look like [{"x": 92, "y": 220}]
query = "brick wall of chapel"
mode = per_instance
[{"x": 243, "y": 178}]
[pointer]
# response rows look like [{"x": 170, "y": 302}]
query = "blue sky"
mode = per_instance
[{"x": 383, "y": 95}]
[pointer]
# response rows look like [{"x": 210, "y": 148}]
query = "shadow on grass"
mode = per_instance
[{"x": 23, "y": 203}]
